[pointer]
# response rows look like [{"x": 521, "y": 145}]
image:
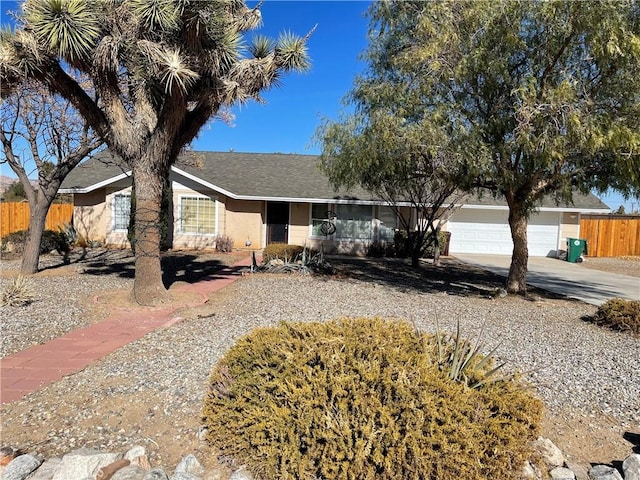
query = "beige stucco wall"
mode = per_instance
[
  {"x": 242, "y": 220},
  {"x": 569, "y": 228},
  {"x": 299, "y": 221},
  {"x": 89, "y": 216},
  {"x": 244, "y": 223}
]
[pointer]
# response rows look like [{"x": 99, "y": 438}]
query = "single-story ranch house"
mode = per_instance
[{"x": 258, "y": 198}]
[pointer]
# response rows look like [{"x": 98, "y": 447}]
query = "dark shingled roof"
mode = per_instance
[{"x": 266, "y": 176}]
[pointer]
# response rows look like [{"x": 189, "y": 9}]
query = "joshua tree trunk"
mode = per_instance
[
  {"x": 148, "y": 288},
  {"x": 37, "y": 221},
  {"x": 517, "y": 281}
]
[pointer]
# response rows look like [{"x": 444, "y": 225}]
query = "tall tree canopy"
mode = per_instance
[
  {"x": 542, "y": 97},
  {"x": 158, "y": 71}
]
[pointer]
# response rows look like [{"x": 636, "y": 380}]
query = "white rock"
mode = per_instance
[
  {"x": 561, "y": 473},
  {"x": 580, "y": 472},
  {"x": 130, "y": 472},
  {"x": 604, "y": 472},
  {"x": 631, "y": 467},
  {"x": 190, "y": 464},
  {"x": 156, "y": 474},
  {"x": 46, "y": 470},
  {"x": 83, "y": 463},
  {"x": 551, "y": 454},
  {"x": 530, "y": 472},
  {"x": 20, "y": 467},
  {"x": 134, "y": 452}
]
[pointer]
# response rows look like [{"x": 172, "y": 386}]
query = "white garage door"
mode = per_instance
[{"x": 487, "y": 231}]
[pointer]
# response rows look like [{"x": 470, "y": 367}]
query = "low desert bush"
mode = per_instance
[
  {"x": 51, "y": 240},
  {"x": 365, "y": 399},
  {"x": 18, "y": 292},
  {"x": 285, "y": 252},
  {"x": 224, "y": 244},
  {"x": 619, "y": 314}
]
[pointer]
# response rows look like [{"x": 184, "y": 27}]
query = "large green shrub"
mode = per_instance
[
  {"x": 619, "y": 314},
  {"x": 363, "y": 399}
]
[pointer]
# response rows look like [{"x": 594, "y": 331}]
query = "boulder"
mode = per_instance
[
  {"x": 83, "y": 463},
  {"x": 21, "y": 467},
  {"x": 190, "y": 464},
  {"x": 631, "y": 467},
  {"x": 46, "y": 470},
  {"x": 551, "y": 455},
  {"x": 604, "y": 472},
  {"x": 562, "y": 473}
]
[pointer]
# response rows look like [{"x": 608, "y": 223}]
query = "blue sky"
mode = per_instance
[{"x": 289, "y": 119}]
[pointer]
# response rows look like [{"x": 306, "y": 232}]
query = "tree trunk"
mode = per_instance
[
  {"x": 148, "y": 288},
  {"x": 517, "y": 281},
  {"x": 436, "y": 246},
  {"x": 37, "y": 223}
]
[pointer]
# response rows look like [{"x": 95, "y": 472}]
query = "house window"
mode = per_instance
[
  {"x": 121, "y": 211},
  {"x": 198, "y": 215},
  {"x": 388, "y": 224},
  {"x": 319, "y": 213},
  {"x": 354, "y": 222}
]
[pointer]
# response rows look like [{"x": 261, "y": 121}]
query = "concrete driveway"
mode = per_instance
[{"x": 570, "y": 279}]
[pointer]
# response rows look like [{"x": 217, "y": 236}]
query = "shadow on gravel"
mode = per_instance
[
  {"x": 633, "y": 439},
  {"x": 452, "y": 277},
  {"x": 176, "y": 267}
]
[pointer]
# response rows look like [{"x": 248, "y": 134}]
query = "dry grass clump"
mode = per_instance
[
  {"x": 367, "y": 399},
  {"x": 285, "y": 252},
  {"x": 19, "y": 292},
  {"x": 619, "y": 314}
]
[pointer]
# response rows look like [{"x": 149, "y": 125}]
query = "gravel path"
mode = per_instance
[{"x": 150, "y": 391}]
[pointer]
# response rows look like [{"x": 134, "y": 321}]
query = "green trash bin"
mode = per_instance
[{"x": 575, "y": 248}]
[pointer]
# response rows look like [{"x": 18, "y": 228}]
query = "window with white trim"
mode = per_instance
[
  {"x": 197, "y": 215},
  {"x": 354, "y": 222},
  {"x": 121, "y": 211}
]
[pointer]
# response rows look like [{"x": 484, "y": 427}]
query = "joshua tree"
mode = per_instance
[{"x": 160, "y": 69}]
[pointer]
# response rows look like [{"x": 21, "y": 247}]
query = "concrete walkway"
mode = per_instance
[
  {"x": 570, "y": 279},
  {"x": 38, "y": 366}
]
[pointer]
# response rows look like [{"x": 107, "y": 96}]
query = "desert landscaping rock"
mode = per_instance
[
  {"x": 631, "y": 467},
  {"x": 562, "y": 473},
  {"x": 604, "y": 472},
  {"x": 21, "y": 467},
  {"x": 549, "y": 452}
]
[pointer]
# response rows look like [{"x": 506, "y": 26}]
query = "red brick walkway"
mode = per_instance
[{"x": 38, "y": 366}]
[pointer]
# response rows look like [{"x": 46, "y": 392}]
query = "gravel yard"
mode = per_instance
[{"x": 150, "y": 392}]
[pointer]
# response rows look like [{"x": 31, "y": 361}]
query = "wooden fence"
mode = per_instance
[
  {"x": 611, "y": 235},
  {"x": 15, "y": 216}
]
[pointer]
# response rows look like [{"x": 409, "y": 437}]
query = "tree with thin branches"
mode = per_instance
[
  {"x": 160, "y": 69},
  {"x": 402, "y": 162},
  {"x": 52, "y": 139},
  {"x": 543, "y": 97}
]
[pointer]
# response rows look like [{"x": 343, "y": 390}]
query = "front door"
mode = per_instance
[{"x": 277, "y": 222}]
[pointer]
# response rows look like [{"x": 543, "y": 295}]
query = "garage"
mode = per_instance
[{"x": 487, "y": 231}]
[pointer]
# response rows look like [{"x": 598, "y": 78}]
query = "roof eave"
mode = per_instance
[{"x": 96, "y": 186}]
